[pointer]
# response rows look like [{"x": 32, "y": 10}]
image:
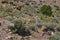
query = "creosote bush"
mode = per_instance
[
  {"x": 56, "y": 36},
  {"x": 20, "y": 29},
  {"x": 50, "y": 26},
  {"x": 46, "y": 10}
]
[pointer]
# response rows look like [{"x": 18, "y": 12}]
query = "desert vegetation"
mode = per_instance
[{"x": 29, "y": 20}]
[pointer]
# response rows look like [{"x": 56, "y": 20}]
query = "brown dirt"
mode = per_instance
[{"x": 4, "y": 32}]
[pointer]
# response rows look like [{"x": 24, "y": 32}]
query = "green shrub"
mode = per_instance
[
  {"x": 17, "y": 25},
  {"x": 49, "y": 25},
  {"x": 32, "y": 27},
  {"x": 56, "y": 36},
  {"x": 58, "y": 28},
  {"x": 8, "y": 8},
  {"x": 1, "y": 8},
  {"x": 46, "y": 10},
  {"x": 20, "y": 29}
]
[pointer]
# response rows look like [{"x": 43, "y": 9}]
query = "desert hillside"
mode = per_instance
[{"x": 29, "y": 19}]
